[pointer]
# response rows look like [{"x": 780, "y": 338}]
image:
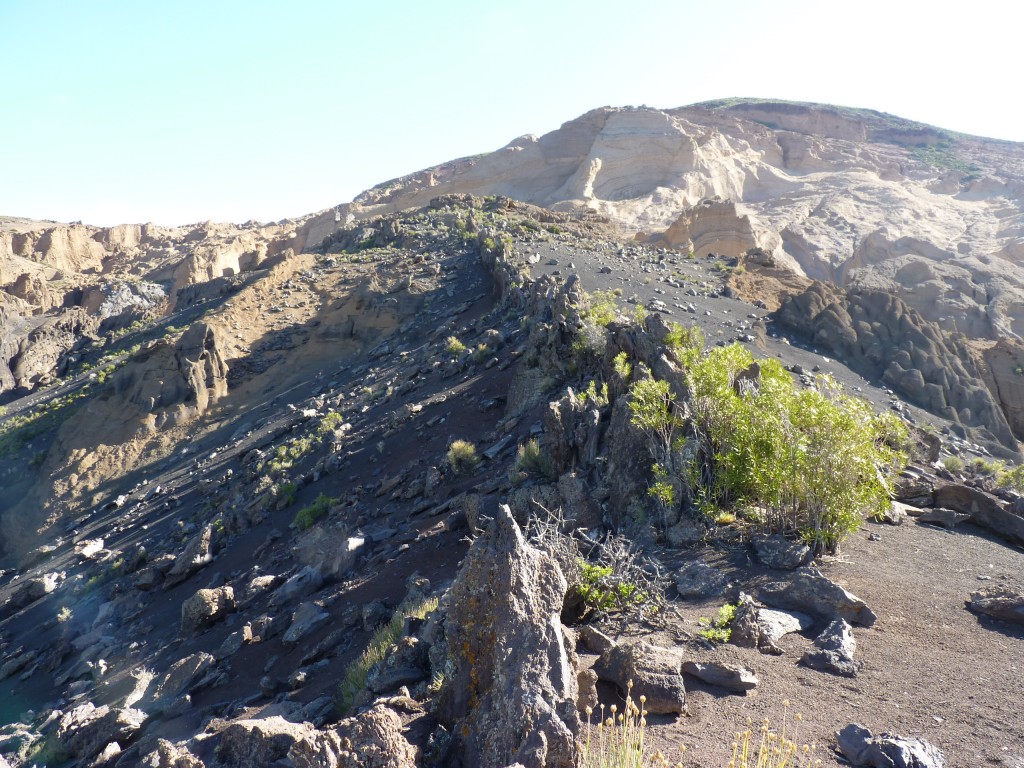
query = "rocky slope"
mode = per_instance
[{"x": 232, "y": 513}]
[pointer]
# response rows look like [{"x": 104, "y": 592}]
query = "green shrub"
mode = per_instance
[
  {"x": 594, "y": 394},
  {"x": 953, "y": 464},
  {"x": 307, "y": 517},
  {"x": 454, "y": 347},
  {"x": 622, "y": 367},
  {"x": 531, "y": 458},
  {"x": 718, "y": 629},
  {"x": 481, "y": 353},
  {"x": 600, "y": 308},
  {"x": 462, "y": 456},
  {"x": 385, "y": 636},
  {"x": 602, "y": 590},
  {"x": 285, "y": 492},
  {"x": 810, "y": 457}
]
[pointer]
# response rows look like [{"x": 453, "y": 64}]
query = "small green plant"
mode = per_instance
[
  {"x": 622, "y": 367},
  {"x": 639, "y": 314},
  {"x": 462, "y": 456},
  {"x": 64, "y": 615},
  {"x": 481, "y": 353},
  {"x": 1012, "y": 478},
  {"x": 385, "y": 636},
  {"x": 594, "y": 394},
  {"x": 454, "y": 347},
  {"x": 601, "y": 592},
  {"x": 600, "y": 308},
  {"x": 953, "y": 464},
  {"x": 329, "y": 423},
  {"x": 718, "y": 629},
  {"x": 307, "y": 517},
  {"x": 285, "y": 493},
  {"x": 531, "y": 458}
]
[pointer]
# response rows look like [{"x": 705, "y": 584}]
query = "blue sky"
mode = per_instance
[{"x": 183, "y": 111}]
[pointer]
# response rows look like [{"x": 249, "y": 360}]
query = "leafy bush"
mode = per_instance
[
  {"x": 462, "y": 456},
  {"x": 481, "y": 353},
  {"x": 810, "y": 457},
  {"x": 953, "y": 464},
  {"x": 1012, "y": 478},
  {"x": 454, "y": 347},
  {"x": 600, "y": 308},
  {"x": 622, "y": 367},
  {"x": 385, "y": 636},
  {"x": 285, "y": 493},
  {"x": 307, "y": 517},
  {"x": 601, "y": 591}
]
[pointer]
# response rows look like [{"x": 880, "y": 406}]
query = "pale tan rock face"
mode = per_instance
[{"x": 849, "y": 196}]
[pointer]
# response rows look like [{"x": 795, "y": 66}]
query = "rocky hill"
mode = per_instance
[
  {"x": 370, "y": 487},
  {"x": 840, "y": 195}
]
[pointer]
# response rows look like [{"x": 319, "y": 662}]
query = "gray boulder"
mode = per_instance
[
  {"x": 836, "y": 646},
  {"x": 305, "y": 619},
  {"x": 263, "y": 742},
  {"x": 372, "y": 739},
  {"x": 170, "y": 755},
  {"x": 512, "y": 692},
  {"x": 999, "y": 603},
  {"x": 808, "y": 591},
  {"x": 653, "y": 671},
  {"x": 330, "y": 549},
  {"x": 181, "y": 679},
  {"x": 728, "y": 676},
  {"x": 776, "y": 551},
  {"x": 755, "y": 626},
  {"x": 196, "y": 555},
  {"x": 985, "y": 510},
  {"x": 84, "y": 731},
  {"x": 206, "y": 607},
  {"x": 947, "y": 518},
  {"x": 886, "y": 751},
  {"x": 700, "y": 580}
]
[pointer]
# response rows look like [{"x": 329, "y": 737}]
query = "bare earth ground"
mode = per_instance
[{"x": 931, "y": 668}]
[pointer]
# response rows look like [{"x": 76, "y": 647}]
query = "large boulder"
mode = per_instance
[
  {"x": 328, "y": 548},
  {"x": 263, "y": 742},
  {"x": 835, "y": 649},
  {"x": 985, "y": 510},
  {"x": 776, "y": 551},
  {"x": 372, "y": 739},
  {"x": 808, "y": 591},
  {"x": 205, "y": 607},
  {"x": 999, "y": 603},
  {"x": 729, "y": 676},
  {"x": 167, "y": 754},
  {"x": 646, "y": 670},
  {"x": 886, "y": 751},
  {"x": 85, "y": 730},
  {"x": 511, "y": 696},
  {"x": 196, "y": 555}
]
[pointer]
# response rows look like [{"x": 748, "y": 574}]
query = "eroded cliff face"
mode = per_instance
[
  {"x": 63, "y": 284},
  {"x": 848, "y": 196}
]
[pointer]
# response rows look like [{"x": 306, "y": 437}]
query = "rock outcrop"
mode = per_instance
[
  {"x": 878, "y": 335},
  {"x": 513, "y": 689},
  {"x": 176, "y": 382}
]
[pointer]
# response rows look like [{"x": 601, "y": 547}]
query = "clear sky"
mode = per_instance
[{"x": 131, "y": 111}]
